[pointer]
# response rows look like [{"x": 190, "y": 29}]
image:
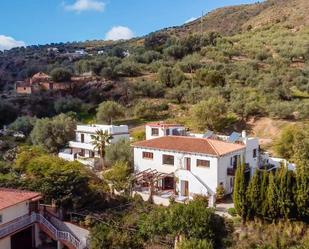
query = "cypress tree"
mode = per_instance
[
  {"x": 253, "y": 195},
  {"x": 239, "y": 194},
  {"x": 285, "y": 192},
  {"x": 302, "y": 178},
  {"x": 262, "y": 210},
  {"x": 271, "y": 198}
]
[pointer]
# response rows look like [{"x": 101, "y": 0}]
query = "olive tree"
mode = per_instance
[
  {"x": 52, "y": 134},
  {"x": 210, "y": 114},
  {"x": 108, "y": 111},
  {"x": 60, "y": 75}
]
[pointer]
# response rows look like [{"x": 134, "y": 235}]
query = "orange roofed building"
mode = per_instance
[
  {"x": 172, "y": 162},
  {"x": 40, "y": 82},
  {"x": 21, "y": 222}
]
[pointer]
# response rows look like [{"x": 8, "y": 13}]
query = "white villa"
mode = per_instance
[
  {"x": 83, "y": 150},
  {"x": 22, "y": 223},
  {"x": 190, "y": 164}
]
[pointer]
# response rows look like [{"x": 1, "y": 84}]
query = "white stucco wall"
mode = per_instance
[
  {"x": 196, "y": 184},
  {"x": 162, "y": 131},
  {"x": 13, "y": 212},
  {"x": 88, "y": 139},
  {"x": 5, "y": 243},
  {"x": 225, "y": 163},
  {"x": 251, "y": 144}
]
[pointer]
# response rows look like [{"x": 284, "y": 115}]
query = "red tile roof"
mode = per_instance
[
  {"x": 190, "y": 145},
  {"x": 163, "y": 125},
  {"x": 10, "y": 197}
]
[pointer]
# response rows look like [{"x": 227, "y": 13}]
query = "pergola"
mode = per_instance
[{"x": 150, "y": 177}]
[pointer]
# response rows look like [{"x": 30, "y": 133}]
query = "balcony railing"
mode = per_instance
[
  {"x": 80, "y": 145},
  {"x": 15, "y": 225},
  {"x": 28, "y": 220},
  {"x": 232, "y": 171}
]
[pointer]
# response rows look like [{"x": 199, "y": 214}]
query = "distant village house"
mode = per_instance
[{"x": 43, "y": 82}]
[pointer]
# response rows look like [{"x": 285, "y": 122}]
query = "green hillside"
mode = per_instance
[{"x": 246, "y": 63}]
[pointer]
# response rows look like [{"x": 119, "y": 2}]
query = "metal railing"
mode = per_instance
[
  {"x": 231, "y": 171},
  {"x": 59, "y": 235},
  {"x": 28, "y": 220}
]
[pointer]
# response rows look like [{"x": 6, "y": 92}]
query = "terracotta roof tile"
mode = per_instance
[
  {"x": 10, "y": 197},
  {"x": 191, "y": 145}
]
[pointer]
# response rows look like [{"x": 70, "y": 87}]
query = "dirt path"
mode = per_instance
[{"x": 267, "y": 129}]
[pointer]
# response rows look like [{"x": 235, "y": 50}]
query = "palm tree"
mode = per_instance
[{"x": 99, "y": 140}]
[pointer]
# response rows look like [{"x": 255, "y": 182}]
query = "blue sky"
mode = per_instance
[{"x": 45, "y": 21}]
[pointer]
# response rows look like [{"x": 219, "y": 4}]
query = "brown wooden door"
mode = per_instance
[
  {"x": 82, "y": 152},
  {"x": 168, "y": 183},
  {"x": 186, "y": 188},
  {"x": 188, "y": 163}
]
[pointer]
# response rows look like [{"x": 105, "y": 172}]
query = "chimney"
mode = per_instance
[{"x": 244, "y": 134}]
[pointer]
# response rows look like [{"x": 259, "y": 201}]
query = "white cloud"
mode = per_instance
[
  {"x": 85, "y": 5},
  {"x": 119, "y": 33},
  {"x": 191, "y": 19},
  {"x": 7, "y": 42}
]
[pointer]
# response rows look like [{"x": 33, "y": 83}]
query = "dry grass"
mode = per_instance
[
  {"x": 292, "y": 12},
  {"x": 281, "y": 235}
]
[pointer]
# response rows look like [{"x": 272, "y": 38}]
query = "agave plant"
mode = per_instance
[{"x": 100, "y": 140}]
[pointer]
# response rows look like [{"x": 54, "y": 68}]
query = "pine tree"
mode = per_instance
[
  {"x": 253, "y": 195},
  {"x": 239, "y": 195},
  {"x": 271, "y": 198}
]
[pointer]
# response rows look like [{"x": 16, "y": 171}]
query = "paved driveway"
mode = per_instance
[{"x": 221, "y": 208}]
